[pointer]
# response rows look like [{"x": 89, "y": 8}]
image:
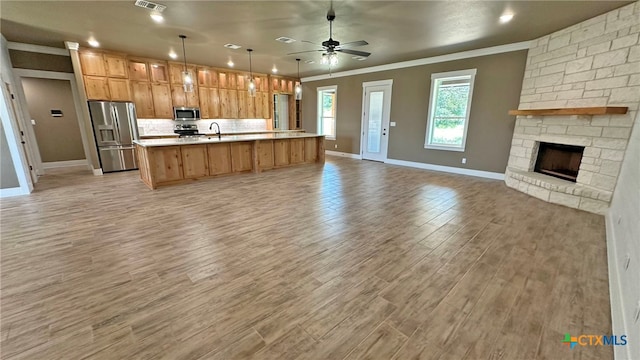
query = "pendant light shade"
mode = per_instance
[
  {"x": 252, "y": 85},
  {"x": 187, "y": 79},
  {"x": 298, "y": 91}
]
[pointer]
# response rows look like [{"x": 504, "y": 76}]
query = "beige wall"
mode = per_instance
[
  {"x": 8, "y": 177},
  {"x": 39, "y": 61},
  {"x": 58, "y": 137},
  {"x": 496, "y": 90}
]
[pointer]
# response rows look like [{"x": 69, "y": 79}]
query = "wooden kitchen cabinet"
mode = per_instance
[
  {"x": 181, "y": 98},
  {"x": 175, "y": 73},
  {"x": 143, "y": 99},
  {"x": 219, "y": 158},
  {"x": 159, "y": 72},
  {"x": 119, "y": 89},
  {"x": 241, "y": 156},
  {"x": 92, "y": 64},
  {"x": 265, "y": 154},
  {"x": 194, "y": 161},
  {"x": 166, "y": 162},
  {"x": 214, "y": 103},
  {"x": 162, "y": 106},
  {"x": 281, "y": 152},
  {"x": 116, "y": 66},
  {"x": 266, "y": 106},
  {"x": 243, "y": 103},
  {"x": 138, "y": 70},
  {"x": 96, "y": 88},
  {"x": 296, "y": 151},
  {"x": 207, "y": 77},
  {"x": 205, "y": 103},
  {"x": 228, "y": 103}
]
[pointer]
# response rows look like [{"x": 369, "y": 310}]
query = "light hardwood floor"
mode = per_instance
[{"x": 353, "y": 260}]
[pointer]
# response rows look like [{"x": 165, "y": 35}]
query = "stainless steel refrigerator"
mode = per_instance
[{"x": 115, "y": 127}]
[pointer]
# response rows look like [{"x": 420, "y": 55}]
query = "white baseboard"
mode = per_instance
[
  {"x": 343, "y": 154},
  {"x": 449, "y": 169},
  {"x": 59, "y": 164},
  {"x": 17, "y": 191},
  {"x": 618, "y": 326},
  {"x": 97, "y": 172}
]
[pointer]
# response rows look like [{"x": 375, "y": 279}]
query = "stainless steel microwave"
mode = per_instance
[{"x": 186, "y": 113}]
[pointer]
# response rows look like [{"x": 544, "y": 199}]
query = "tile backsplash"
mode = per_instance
[{"x": 165, "y": 126}]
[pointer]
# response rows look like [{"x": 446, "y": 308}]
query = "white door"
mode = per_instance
[{"x": 375, "y": 120}]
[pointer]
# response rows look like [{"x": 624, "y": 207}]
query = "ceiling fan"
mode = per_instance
[{"x": 331, "y": 47}]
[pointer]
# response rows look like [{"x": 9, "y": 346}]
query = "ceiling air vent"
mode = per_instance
[
  {"x": 285, "y": 39},
  {"x": 232, "y": 46},
  {"x": 150, "y": 5}
]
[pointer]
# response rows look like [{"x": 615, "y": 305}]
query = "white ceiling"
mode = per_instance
[{"x": 396, "y": 30}]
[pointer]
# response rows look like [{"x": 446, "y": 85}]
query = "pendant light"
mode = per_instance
[
  {"x": 252, "y": 84},
  {"x": 187, "y": 80},
  {"x": 298, "y": 91}
]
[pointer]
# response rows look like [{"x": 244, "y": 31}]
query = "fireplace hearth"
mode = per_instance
[{"x": 558, "y": 160}]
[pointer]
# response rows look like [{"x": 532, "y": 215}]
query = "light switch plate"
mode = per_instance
[
  {"x": 393, "y": 123},
  {"x": 33, "y": 122}
]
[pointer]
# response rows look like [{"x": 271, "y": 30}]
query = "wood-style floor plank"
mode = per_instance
[{"x": 353, "y": 259}]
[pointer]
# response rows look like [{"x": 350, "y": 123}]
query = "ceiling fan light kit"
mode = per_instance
[{"x": 187, "y": 80}]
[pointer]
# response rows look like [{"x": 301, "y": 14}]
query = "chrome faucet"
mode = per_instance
[{"x": 219, "y": 133}]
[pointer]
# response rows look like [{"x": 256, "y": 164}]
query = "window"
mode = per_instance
[
  {"x": 327, "y": 111},
  {"x": 449, "y": 109}
]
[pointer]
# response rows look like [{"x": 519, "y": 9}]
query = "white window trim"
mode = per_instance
[
  {"x": 449, "y": 74},
  {"x": 319, "y": 112}
]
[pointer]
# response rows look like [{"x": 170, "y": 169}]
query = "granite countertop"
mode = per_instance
[
  {"x": 224, "y": 133},
  {"x": 228, "y": 138}
]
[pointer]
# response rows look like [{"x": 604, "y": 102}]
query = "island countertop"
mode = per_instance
[
  {"x": 212, "y": 139},
  {"x": 224, "y": 133}
]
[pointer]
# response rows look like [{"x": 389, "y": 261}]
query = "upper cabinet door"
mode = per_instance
[
  {"x": 162, "y": 104},
  {"x": 96, "y": 88},
  {"x": 119, "y": 89},
  {"x": 92, "y": 64},
  {"x": 143, "y": 99},
  {"x": 138, "y": 70},
  {"x": 116, "y": 66},
  {"x": 204, "y": 76},
  {"x": 159, "y": 72}
]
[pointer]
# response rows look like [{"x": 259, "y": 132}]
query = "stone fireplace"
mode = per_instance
[{"x": 584, "y": 155}]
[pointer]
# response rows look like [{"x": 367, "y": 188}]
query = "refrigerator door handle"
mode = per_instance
[{"x": 116, "y": 122}]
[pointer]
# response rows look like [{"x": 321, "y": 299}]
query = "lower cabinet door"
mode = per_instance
[
  {"x": 219, "y": 159},
  {"x": 195, "y": 162},
  {"x": 167, "y": 163}
]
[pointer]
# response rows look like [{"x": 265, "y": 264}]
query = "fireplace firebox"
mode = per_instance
[{"x": 558, "y": 160}]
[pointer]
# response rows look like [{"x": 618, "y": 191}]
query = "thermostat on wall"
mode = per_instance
[{"x": 56, "y": 113}]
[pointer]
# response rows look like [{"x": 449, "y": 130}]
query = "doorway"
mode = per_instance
[
  {"x": 376, "y": 110},
  {"x": 280, "y": 112}
]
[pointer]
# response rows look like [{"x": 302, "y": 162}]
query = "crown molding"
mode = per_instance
[
  {"x": 524, "y": 45},
  {"x": 72, "y": 45},
  {"x": 37, "y": 48}
]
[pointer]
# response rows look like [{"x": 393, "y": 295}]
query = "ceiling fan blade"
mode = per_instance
[
  {"x": 353, "y": 44},
  {"x": 354, "y": 52},
  {"x": 310, "y": 42},
  {"x": 302, "y": 52}
]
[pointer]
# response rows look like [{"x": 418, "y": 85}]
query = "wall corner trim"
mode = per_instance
[
  {"x": 524, "y": 45},
  {"x": 343, "y": 154},
  {"x": 70, "y": 45},
  {"x": 448, "y": 169},
  {"x": 37, "y": 48},
  {"x": 97, "y": 172},
  {"x": 618, "y": 325}
]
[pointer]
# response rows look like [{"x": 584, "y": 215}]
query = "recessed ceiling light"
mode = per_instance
[
  {"x": 157, "y": 17},
  {"x": 232, "y": 46},
  {"x": 173, "y": 55},
  {"x": 93, "y": 42},
  {"x": 285, "y": 40},
  {"x": 506, "y": 18},
  {"x": 230, "y": 63},
  {"x": 274, "y": 70}
]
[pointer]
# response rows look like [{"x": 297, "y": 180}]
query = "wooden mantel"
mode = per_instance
[{"x": 600, "y": 110}]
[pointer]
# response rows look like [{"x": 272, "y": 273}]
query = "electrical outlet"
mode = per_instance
[
  {"x": 33, "y": 122},
  {"x": 627, "y": 260},
  {"x": 464, "y": 160},
  {"x": 335, "y": 146},
  {"x": 392, "y": 123}
]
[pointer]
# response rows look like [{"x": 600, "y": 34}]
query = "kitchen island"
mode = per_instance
[{"x": 170, "y": 161}]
